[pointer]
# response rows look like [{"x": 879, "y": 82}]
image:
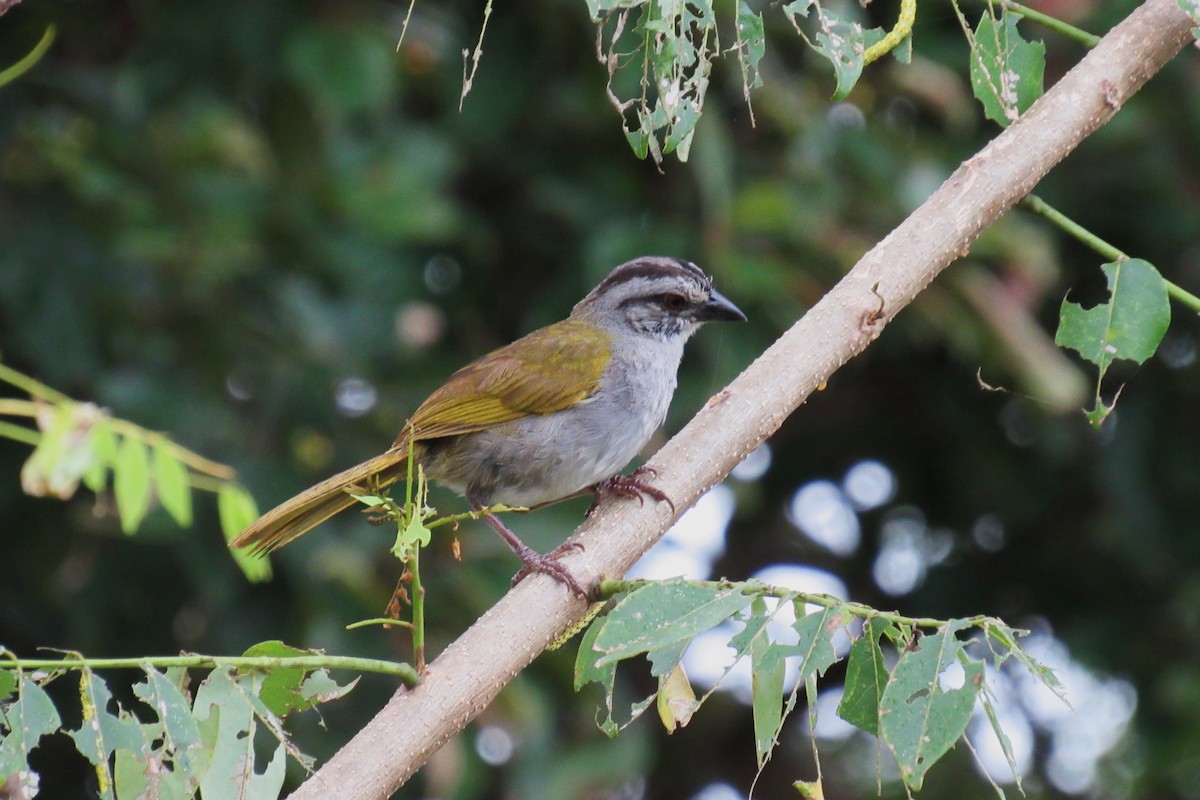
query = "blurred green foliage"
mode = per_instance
[{"x": 258, "y": 227}]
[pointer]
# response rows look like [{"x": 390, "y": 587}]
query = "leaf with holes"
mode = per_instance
[
  {"x": 919, "y": 719},
  {"x": 1006, "y": 71},
  {"x": 102, "y": 732},
  {"x": 661, "y": 614},
  {"x": 27, "y": 720},
  {"x": 181, "y": 734},
  {"x": 1129, "y": 326},
  {"x": 228, "y": 719},
  {"x": 285, "y": 690},
  {"x": 841, "y": 42}
]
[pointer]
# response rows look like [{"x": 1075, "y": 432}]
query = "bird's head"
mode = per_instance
[{"x": 665, "y": 298}]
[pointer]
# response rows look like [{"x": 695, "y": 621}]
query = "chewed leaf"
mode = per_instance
[
  {"x": 1006, "y": 71},
  {"x": 661, "y": 614},
  {"x": 842, "y": 42},
  {"x": 285, "y": 690},
  {"x": 101, "y": 731},
  {"x": 28, "y": 719},
  {"x": 1130, "y": 325},
  {"x": 174, "y": 711},
  {"x": 919, "y": 719}
]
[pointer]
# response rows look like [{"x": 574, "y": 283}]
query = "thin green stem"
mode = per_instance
[
  {"x": 14, "y": 407},
  {"x": 610, "y": 588},
  {"x": 19, "y": 433},
  {"x": 1183, "y": 296},
  {"x": 1088, "y": 40},
  {"x": 35, "y": 55},
  {"x": 405, "y": 672},
  {"x": 40, "y": 391},
  {"x": 192, "y": 459},
  {"x": 418, "y": 609},
  {"x": 30, "y": 386},
  {"x": 387, "y": 622},
  {"x": 1040, "y": 207}
]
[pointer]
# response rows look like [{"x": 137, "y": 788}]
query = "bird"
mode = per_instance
[{"x": 553, "y": 415}]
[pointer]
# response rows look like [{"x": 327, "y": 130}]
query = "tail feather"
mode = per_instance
[{"x": 310, "y": 508}]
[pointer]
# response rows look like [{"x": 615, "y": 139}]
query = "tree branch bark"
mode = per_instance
[{"x": 465, "y": 678}]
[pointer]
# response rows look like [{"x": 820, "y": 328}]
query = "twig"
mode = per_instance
[
  {"x": 1053, "y": 23},
  {"x": 1111, "y": 252},
  {"x": 405, "y": 672},
  {"x": 469, "y": 80}
]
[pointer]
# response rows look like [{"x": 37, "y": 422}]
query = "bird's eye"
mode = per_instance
[{"x": 674, "y": 302}]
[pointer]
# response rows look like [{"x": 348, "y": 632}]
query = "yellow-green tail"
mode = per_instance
[{"x": 313, "y": 506}]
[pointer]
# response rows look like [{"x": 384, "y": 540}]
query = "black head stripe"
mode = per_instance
[{"x": 653, "y": 268}]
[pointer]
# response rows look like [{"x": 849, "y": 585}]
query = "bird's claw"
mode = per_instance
[
  {"x": 631, "y": 486},
  {"x": 549, "y": 564}
]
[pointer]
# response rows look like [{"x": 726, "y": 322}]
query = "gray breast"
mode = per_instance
[{"x": 545, "y": 458}]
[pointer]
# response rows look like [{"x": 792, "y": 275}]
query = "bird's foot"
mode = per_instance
[
  {"x": 549, "y": 564},
  {"x": 630, "y": 485}
]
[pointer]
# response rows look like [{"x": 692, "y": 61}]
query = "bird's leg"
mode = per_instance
[
  {"x": 533, "y": 560},
  {"x": 630, "y": 485}
]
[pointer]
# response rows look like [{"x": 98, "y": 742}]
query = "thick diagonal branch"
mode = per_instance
[{"x": 464, "y": 679}]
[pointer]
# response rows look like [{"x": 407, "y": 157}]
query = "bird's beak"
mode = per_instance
[{"x": 719, "y": 309}]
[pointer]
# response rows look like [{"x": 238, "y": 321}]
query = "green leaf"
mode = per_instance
[
  {"x": 171, "y": 483},
  {"x": 768, "y": 666},
  {"x": 1007, "y": 638},
  {"x": 989, "y": 710},
  {"x": 665, "y": 659},
  {"x": 226, "y": 709},
  {"x": 814, "y": 645},
  {"x": 1129, "y": 326},
  {"x": 839, "y": 41},
  {"x": 102, "y": 732},
  {"x": 236, "y": 509},
  {"x": 752, "y": 45},
  {"x": 104, "y": 452},
  {"x": 920, "y": 720},
  {"x": 866, "y": 676},
  {"x": 661, "y": 614},
  {"x": 413, "y": 536},
  {"x": 588, "y": 669},
  {"x": 285, "y": 690},
  {"x": 8, "y": 683},
  {"x": 65, "y": 454},
  {"x": 131, "y": 483},
  {"x": 28, "y": 719},
  {"x": 1006, "y": 71},
  {"x": 181, "y": 734}
]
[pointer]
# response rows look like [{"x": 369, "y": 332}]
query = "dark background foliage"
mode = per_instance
[{"x": 259, "y": 228}]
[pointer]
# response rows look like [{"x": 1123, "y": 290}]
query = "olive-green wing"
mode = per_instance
[{"x": 550, "y": 369}]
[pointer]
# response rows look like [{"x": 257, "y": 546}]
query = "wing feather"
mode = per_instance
[{"x": 550, "y": 369}]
